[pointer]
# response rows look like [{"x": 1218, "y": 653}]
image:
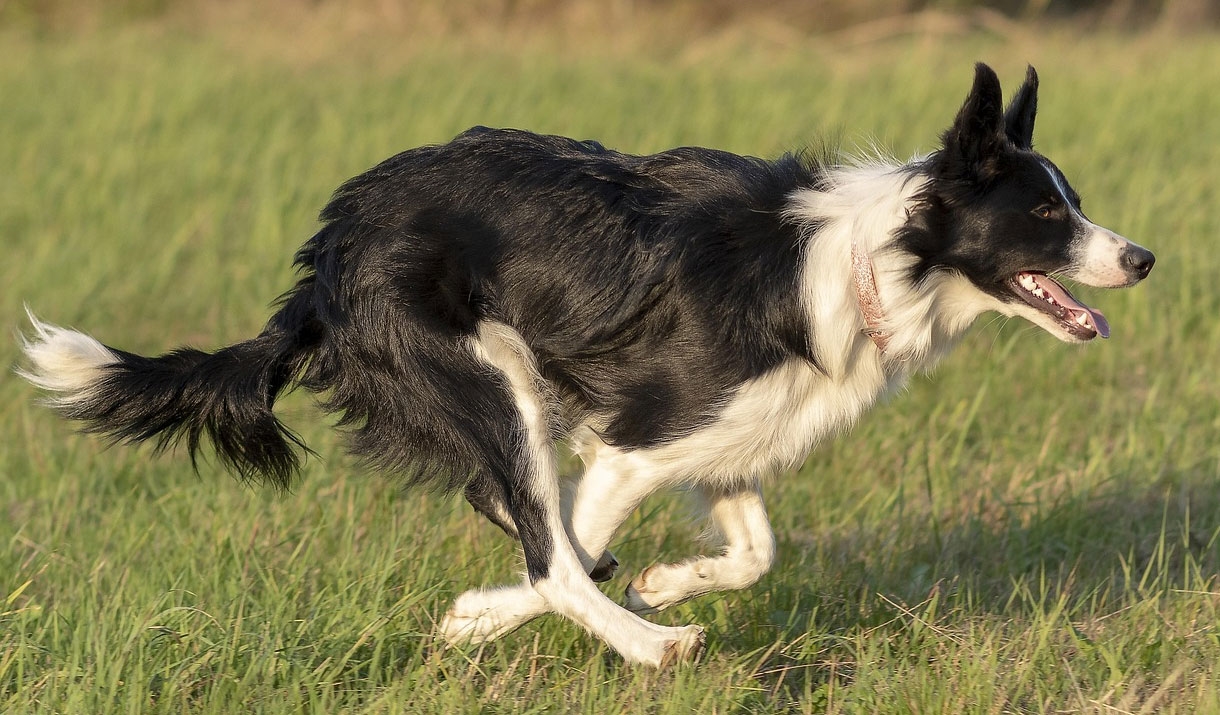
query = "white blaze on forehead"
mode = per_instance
[{"x": 1062, "y": 189}]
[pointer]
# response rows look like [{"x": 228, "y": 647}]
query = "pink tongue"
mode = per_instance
[
  {"x": 1099, "y": 322},
  {"x": 1062, "y": 297}
]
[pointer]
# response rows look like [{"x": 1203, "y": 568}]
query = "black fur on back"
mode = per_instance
[{"x": 648, "y": 288}]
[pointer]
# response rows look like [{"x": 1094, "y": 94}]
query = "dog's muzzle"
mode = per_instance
[{"x": 1104, "y": 259}]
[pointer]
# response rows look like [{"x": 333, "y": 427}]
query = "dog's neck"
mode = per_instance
[
  {"x": 867, "y": 297},
  {"x": 854, "y": 260}
]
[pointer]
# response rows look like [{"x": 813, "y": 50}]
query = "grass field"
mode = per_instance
[{"x": 1035, "y": 528}]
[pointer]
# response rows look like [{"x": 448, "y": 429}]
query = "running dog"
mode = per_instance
[{"x": 691, "y": 318}]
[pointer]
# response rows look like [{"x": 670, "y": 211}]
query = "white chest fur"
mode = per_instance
[{"x": 773, "y": 422}]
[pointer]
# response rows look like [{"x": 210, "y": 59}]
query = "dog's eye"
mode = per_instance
[{"x": 1044, "y": 211}]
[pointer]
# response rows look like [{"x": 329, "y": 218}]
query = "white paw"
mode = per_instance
[
  {"x": 688, "y": 646},
  {"x": 480, "y": 616},
  {"x": 461, "y": 628},
  {"x": 660, "y": 586},
  {"x": 665, "y": 647}
]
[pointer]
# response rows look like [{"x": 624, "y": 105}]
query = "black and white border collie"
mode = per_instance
[{"x": 690, "y": 318}]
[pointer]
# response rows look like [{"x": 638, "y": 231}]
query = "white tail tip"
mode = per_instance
[{"x": 63, "y": 361}]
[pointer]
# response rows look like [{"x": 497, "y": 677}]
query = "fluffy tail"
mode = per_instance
[{"x": 184, "y": 394}]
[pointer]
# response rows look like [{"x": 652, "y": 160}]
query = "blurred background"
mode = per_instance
[{"x": 696, "y": 16}]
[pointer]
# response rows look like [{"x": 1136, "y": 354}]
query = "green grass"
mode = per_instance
[{"x": 1035, "y": 528}]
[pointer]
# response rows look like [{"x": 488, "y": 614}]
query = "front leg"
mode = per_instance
[{"x": 741, "y": 518}]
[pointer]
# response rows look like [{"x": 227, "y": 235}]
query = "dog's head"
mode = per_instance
[{"x": 1005, "y": 218}]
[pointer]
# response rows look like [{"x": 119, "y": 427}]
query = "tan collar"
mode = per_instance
[{"x": 868, "y": 298}]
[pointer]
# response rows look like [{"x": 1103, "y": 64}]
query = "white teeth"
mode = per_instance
[
  {"x": 1028, "y": 282},
  {"x": 1083, "y": 320}
]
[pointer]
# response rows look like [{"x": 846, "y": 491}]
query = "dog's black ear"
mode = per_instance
[
  {"x": 977, "y": 134},
  {"x": 1019, "y": 118}
]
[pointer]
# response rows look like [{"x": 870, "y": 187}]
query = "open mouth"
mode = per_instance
[{"x": 1047, "y": 295}]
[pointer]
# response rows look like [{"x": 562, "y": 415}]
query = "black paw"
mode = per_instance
[{"x": 605, "y": 568}]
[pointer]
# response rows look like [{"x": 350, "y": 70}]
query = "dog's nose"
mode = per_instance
[{"x": 1138, "y": 261}]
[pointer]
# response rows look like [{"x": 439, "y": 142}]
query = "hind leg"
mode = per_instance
[
  {"x": 557, "y": 573},
  {"x": 486, "y": 495},
  {"x": 593, "y": 509},
  {"x": 741, "y": 518}
]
